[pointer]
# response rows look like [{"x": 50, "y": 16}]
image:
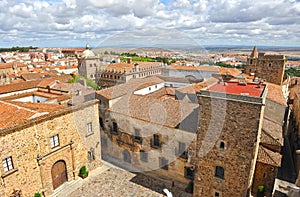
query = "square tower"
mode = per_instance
[
  {"x": 266, "y": 66},
  {"x": 230, "y": 121}
]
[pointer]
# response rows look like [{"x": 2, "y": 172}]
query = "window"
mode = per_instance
[
  {"x": 114, "y": 128},
  {"x": 270, "y": 65},
  {"x": 189, "y": 172},
  {"x": 54, "y": 141},
  {"x": 143, "y": 156},
  {"x": 217, "y": 194},
  {"x": 222, "y": 145},
  {"x": 219, "y": 173},
  {"x": 155, "y": 141},
  {"x": 163, "y": 163},
  {"x": 91, "y": 154},
  {"x": 182, "y": 150},
  {"x": 91, "y": 65},
  {"x": 251, "y": 61},
  {"x": 101, "y": 122},
  {"x": 89, "y": 128},
  {"x": 94, "y": 64},
  {"x": 137, "y": 135},
  {"x": 91, "y": 76},
  {"x": 7, "y": 164}
]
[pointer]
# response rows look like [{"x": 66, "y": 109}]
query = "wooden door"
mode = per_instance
[{"x": 59, "y": 174}]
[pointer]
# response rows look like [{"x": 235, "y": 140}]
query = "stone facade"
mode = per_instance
[
  {"x": 90, "y": 66},
  {"x": 264, "y": 176},
  {"x": 226, "y": 149},
  {"x": 117, "y": 73},
  {"x": 33, "y": 158},
  {"x": 267, "y": 67}
]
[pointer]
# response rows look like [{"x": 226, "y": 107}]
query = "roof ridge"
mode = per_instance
[{"x": 18, "y": 106}]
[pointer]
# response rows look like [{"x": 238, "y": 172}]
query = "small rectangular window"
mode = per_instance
[
  {"x": 137, "y": 135},
  {"x": 219, "y": 172},
  {"x": 189, "y": 173},
  {"x": 91, "y": 154},
  {"x": 143, "y": 156},
  {"x": 54, "y": 141},
  {"x": 114, "y": 128},
  {"x": 89, "y": 128},
  {"x": 163, "y": 163},
  {"x": 7, "y": 164},
  {"x": 156, "y": 141}
]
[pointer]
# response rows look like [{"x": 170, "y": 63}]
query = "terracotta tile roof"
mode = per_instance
[
  {"x": 31, "y": 76},
  {"x": 52, "y": 80},
  {"x": 195, "y": 68},
  {"x": 10, "y": 65},
  {"x": 129, "y": 87},
  {"x": 223, "y": 71},
  {"x": 167, "y": 112},
  {"x": 271, "y": 133},
  {"x": 269, "y": 157},
  {"x": 128, "y": 67},
  {"x": 275, "y": 94},
  {"x": 229, "y": 71},
  {"x": 35, "y": 93},
  {"x": 162, "y": 93},
  {"x": 18, "y": 86},
  {"x": 16, "y": 113},
  {"x": 40, "y": 107}
]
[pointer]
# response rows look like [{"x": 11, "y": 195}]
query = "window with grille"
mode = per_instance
[
  {"x": 7, "y": 164},
  {"x": 54, "y": 141},
  {"x": 89, "y": 128}
]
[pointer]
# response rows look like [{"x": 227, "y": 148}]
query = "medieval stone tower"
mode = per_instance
[
  {"x": 227, "y": 150},
  {"x": 266, "y": 66}
]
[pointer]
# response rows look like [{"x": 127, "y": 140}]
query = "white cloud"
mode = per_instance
[{"x": 74, "y": 22}]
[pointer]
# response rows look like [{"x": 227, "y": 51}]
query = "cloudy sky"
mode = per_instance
[{"x": 72, "y": 23}]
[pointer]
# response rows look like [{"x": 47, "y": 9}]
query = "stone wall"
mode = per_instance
[
  {"x": 270, "y": 68},
  {"x": 238, "y": 125},
  {"x": 116, "y": 144},
  {"x": 264, "y": 175},
  {"x": 33, "y": 157}
]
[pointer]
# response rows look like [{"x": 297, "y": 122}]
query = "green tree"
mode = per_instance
[{"x": 89, "y": 82}]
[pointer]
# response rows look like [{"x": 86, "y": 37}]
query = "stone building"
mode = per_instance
[
  {"x": 230, "y": 132},
  {"x": 144, "y": 129},
  {"x": 240, "y": 138},
  {"x": 89, "y": 64},
  {"x": 227, "y": 150},
  {"x": 9, "y": 71},
  {"x": 268, "y": 67},
  {"x": 116, "y": 73},
  {"x": 45, "y": 145}
]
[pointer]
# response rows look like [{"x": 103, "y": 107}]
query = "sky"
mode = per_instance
[{"x": 73, "y": 23}]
